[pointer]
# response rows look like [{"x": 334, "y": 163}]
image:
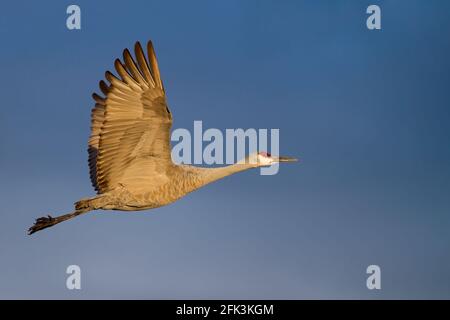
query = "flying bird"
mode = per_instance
[{"x": 129, "y": 147}]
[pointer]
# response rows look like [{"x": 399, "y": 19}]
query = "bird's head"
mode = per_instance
[{"x": 263, "y": 158}]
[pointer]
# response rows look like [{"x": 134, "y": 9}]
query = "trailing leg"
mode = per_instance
[{"x": 49, "y": 221}]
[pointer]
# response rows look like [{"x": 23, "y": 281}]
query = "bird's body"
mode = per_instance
[
  {"x": 171, "y": 184},
  {"x": 129, "y": 147}
]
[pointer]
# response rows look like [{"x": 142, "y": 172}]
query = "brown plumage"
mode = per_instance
[{"x": 129, "y": 147}]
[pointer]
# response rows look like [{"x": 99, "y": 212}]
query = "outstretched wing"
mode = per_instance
[{"x": 131, "y": 123}]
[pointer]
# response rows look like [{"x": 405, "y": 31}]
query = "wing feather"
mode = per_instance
[
  {"x": 132, "y": 68},
  {"x": 143, "y": 64},
  {"x": 154, "y": 69},
  {"x": 130, "y": 124}
]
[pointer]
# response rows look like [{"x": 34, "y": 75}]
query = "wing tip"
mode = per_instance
[
  {"x": 137, "y": 45},
  {"x": 103, "y": 87},
  {"x": 126, "y": 52},
  {"x": 117, "y": 63},
  {"x": 97, "y": 98}
]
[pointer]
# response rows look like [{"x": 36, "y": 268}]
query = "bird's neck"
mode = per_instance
[{"x": 214, "y": 174}]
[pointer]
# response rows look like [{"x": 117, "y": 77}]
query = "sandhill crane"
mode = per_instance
[{"x": 129, "y": 147}]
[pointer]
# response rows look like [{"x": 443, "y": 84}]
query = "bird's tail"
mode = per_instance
[{"x": 49, "y": 221}]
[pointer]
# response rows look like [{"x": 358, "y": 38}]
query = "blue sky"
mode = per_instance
[{"x": 366, "y": 111}]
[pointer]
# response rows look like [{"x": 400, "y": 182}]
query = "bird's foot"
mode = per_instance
[{"x": 42, "y": 223}]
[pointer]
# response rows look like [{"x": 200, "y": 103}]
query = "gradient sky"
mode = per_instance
[{"x": 366, "y": 111}]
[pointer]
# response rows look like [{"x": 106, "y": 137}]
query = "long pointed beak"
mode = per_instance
[{"x": 285, "y": 159}]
